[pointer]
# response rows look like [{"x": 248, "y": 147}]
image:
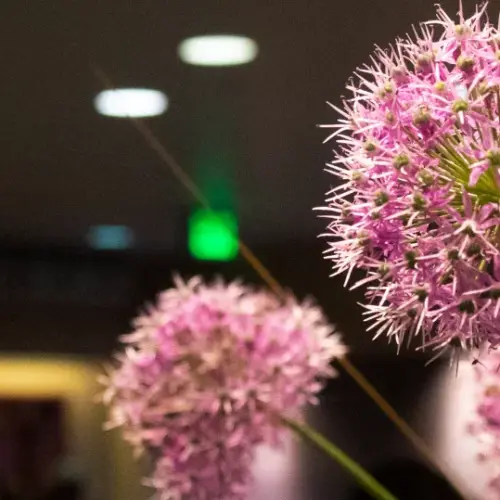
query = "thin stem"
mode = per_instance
[
  {"x": 362, "y": 477},
  {"x": 399, "y": 422},
  {"x": 169, "y": 161}
]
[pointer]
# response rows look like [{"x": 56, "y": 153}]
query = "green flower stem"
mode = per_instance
[{"x": 365, "y": 480}]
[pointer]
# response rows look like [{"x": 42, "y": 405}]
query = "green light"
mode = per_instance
[{"x": 212, "y": 235}]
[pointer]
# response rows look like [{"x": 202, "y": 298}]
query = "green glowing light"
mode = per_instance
[{"x": 212, "y": 235}]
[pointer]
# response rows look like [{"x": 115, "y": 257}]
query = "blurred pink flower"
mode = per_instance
[
  {"x": 485, "y": 426},
  {"x": 205, "y": 377}
]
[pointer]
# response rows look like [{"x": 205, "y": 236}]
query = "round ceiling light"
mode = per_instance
[
  {"x": 131, "y": 103},
  {"x": 218, "y": 50}
]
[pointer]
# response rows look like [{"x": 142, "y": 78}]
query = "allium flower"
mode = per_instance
[
  {"x": 418, "y": 208},
  {"x": 486, "y": 425},
  {"x": 206, "y": 376}
]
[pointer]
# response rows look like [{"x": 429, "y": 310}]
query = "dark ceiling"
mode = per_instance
[
  {"x": 247, "y": 135},
  {"x": 64, "y": 168}
]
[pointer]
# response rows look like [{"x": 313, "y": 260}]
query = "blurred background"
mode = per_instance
[{"x": 92, "y": 226}]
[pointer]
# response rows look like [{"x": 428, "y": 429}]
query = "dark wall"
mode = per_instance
[
  {"x": 348, "y": 417},
  {"x": 79, "y": 301}
]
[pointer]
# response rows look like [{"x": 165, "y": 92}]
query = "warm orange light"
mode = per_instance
[{"x": 27, "y": 377}]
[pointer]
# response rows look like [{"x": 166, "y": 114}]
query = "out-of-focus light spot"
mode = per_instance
[
  {"x": 43, "y": 377},
  {"x": 131, "y": 103},
  {"x": 218, "y": 50},
  {"x": 212, "y": 235},
  {"x": 110, "y": 237}
]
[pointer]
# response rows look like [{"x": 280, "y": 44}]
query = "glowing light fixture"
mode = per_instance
[
  {"x": 131, "y": 103},
  {"x": 110, "y": 237},
  {"x": 212, "y": 235},
  {"x": 218, "y": 50}
]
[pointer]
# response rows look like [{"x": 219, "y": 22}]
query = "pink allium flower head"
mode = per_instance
[
  {"x": 418, "y": 205},
  {"x": 485, "y": 426},
  {"x": 205, "y": 376}
]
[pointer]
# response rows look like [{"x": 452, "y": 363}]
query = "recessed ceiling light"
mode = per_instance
[
  {"x": 131, "y": 103},
  {"x": 218, "y": 50}
]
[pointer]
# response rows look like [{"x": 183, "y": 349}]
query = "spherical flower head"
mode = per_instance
[
  {"x": 422, "y": 190},
  {"x": 206, "y": 376}
]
